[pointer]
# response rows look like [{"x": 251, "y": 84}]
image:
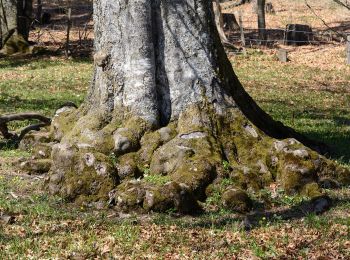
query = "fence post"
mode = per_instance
[
  {"x": 242, "y": 30},
  {"x": 348, "y": 50},
  {"x": 69, "y": 24}
]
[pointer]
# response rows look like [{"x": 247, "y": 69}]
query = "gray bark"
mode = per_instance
[
  {"x": 39, "y": 10},
  {"x": 15, "y": 14},
  {"x": 261, "y": 19},
  {"x": 154, "y": 58},
  {"x": 159, "y": 57}
]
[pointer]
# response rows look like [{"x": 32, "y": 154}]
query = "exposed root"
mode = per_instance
[
  {"x": 201, "y": 154},
  {"x": 16, "y": 138}
]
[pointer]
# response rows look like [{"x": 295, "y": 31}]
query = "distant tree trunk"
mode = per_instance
[
  {"x": 167, "y": 123},
  {"x": 15, "y": 15},
  {"x": 219, "y": 20},
  {"x": 39, "y": 9},
  {"x": 261, "y": 19}
]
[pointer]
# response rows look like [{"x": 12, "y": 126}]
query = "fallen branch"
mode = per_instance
[{"x": 5, "y": 119}]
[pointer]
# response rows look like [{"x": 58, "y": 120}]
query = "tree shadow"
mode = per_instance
[
  {"x": 260, "y": 217},
  {"x": 16, "y": 103}
]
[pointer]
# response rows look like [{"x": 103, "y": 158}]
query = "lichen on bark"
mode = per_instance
[{"x": 163, "y": 113}]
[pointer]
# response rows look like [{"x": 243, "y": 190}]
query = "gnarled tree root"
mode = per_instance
[
  {"x": 203, "y": 154},
  {"x": 15, "y": 138}
]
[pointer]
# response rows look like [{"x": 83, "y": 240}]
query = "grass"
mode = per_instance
[
  {"x": 312, "y": 99},
  {"x": 42, "y": 84},
  {"x": 47, "y": 227}
]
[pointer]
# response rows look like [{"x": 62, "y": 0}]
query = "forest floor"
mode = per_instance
[{"x": 310, "y": 93}]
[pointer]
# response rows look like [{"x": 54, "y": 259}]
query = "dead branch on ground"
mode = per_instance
[{"x": 5, "y": 119}]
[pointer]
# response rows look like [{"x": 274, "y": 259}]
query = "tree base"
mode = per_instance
[
  {"x": 17, "y": 45},
  {"x": 204, "y": 153}
]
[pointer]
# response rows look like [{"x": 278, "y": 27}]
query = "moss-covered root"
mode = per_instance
[
  {"x": 144, "y": 196},
  {"x": 80, "y": 174},
  {"x": 175, "y": 166},
  {"x": 16, "y": 44}
]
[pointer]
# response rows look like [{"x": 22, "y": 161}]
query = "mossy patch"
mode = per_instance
[
  {"x": 174, "y": 166},
  {"x": 16, "y": 44}
]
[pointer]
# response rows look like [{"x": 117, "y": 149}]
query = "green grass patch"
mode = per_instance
[{"x": 315, "y": 101}]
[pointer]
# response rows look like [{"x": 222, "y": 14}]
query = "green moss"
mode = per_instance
[
  {"x": 36, "y": 166},
  {"x": 187, "y": 157},
  {"x": 311, "y": 190},
  {"x": 237, "y": 200},
  {"x": 128, "y": 167},
  {"x": 62, "y": 124},
  {"x": 16, "y": 44},
  {"x": 156, "y": 179},
  {"x": 149, "y": 143},
  {"x": 42, "y": 150},
  {"x": 88, "y": 180},
  {"x": 294, "y": 172}
]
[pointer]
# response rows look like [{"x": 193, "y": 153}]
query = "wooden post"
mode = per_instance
[
  {"x": 69, "y": 24},
  {"x": 348, "y": 50},
  {"x": 282, "y": 55},
  {"x": 242, "y": 29}
]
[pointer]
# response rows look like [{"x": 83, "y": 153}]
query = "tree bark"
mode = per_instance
[
  {"x": 39, "y": 10},
  {"x": 163, "y": 113},
  {"x": 219, "y": 20},
  {"x": 15, "y": 15},
  {"x": 261, "y": 19}
]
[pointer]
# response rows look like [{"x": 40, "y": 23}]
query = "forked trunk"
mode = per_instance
[{"x": 166, "y": 121}]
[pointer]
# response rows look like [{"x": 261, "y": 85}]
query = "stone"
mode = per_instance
[
  {"x": 280, "y": 145},
  {"x": 298, "y": 34},
  {"x": 282, "y": 55},
  {"x": 321, "y": 204},
  {"x": 42, "y": 150},
  {"x": 301, "y": 153},
  {"x": 237, "y": 200}
]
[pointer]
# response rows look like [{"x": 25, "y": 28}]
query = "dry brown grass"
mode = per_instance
[{"x": 296, "y": 11}]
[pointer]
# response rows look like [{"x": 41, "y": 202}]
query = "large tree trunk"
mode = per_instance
[
  {"x": 163, "y": 113},
  {"x": 15, "y": 22}
]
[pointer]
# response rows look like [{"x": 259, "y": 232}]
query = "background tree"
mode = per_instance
[
  {"x": 39, "y": 10},
  {"x": 261, "y": 19},
  {"x": 167, "y": 123},
  {"x": 15, "y": 19}
]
